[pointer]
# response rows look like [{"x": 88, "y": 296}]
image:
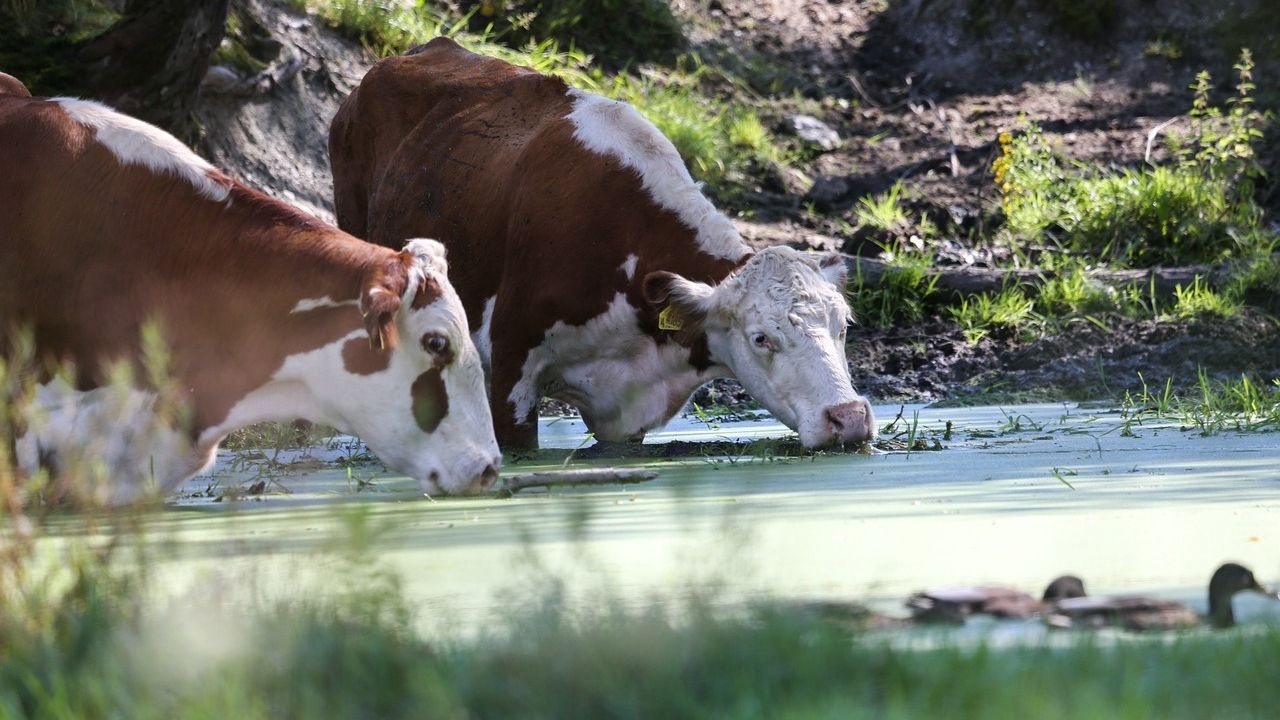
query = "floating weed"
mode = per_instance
[
  {"x": 1019, "y": 422},
  {"x": 1060, "y": 475},
  {"x": 1244, "y": 405}
]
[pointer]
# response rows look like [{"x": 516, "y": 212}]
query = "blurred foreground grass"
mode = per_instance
[{"x": 81, "y": 640}]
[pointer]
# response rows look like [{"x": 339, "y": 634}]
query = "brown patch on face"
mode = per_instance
[
  {"x": 360, "y": 359},
  {"x": 430, "y": 400},
  {"x": 428, "y": 292}
]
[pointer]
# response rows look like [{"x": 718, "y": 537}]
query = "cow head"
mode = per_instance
[
  {"x": 778, "y": 323},
  {"x": 420, "y": 401}
]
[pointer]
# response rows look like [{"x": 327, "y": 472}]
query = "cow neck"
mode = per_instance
[{"x": 280, "y": 284}]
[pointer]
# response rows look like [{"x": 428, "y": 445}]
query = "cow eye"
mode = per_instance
[
  {"x": 435, "y": 343},
  {"x": 761, "y": 340}
]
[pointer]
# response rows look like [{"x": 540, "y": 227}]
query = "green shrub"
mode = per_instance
[{"x": 1200, "y": 209}]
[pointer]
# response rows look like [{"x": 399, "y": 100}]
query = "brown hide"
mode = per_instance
[
  {"x": 477, "y": 153},
  {"x": 91, "y": 249}
]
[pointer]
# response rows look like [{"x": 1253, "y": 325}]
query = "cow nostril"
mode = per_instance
[
  {"x": 488, "y": 477},
  {"x": 833, "y": 417},
  {"x": 434, "y": 477}
]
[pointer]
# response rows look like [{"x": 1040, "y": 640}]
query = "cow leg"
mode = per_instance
[{"x": 515, "y": 413}]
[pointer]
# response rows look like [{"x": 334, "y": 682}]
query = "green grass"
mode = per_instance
[
  {"x": 1247, "y": 404},
  {"x": 1072, "y": 293},
  {"x": 901, "y": 297},
  {"x": 723, "y": 142},
  {"x": 883, "y": 212},
  {"x": 1161, "y": 215},
  {"x": 981, "y": 315},
  {"x": 1199, "y": 301},
  {"x": 1258, "y": 284}
]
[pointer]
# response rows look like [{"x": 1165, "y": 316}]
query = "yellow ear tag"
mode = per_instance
[{"x": 670, "y": 319}]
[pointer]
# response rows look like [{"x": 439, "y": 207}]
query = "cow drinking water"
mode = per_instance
[
  {"x": 107, "y": 224},
  {"x": 592, "y": 266}
]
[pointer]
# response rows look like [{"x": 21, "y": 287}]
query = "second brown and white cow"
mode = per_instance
[
  {"x": 108, "y": 224},
  {"x": 589, "y": 260}
]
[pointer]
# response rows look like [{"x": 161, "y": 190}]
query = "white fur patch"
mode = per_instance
[
  {"x": 309, "y": 304},
  {"x": 134, "y": 142},
  {"x": 623, "y": 381},
  {"x": 110, "y": 438},
  {"x": 628, "y": 266},
  {"x": 482, "y": 337},
  {"x": 611, "y": 127}
]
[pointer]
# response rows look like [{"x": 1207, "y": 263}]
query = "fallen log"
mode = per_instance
[
  {"x": 586, "y": 476},
  {"x": 965, "y": 281}
]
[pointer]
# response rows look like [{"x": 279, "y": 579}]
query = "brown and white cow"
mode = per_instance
[
  {"x": 597, "y": 270},
  {"x": 107, "y": 224}
]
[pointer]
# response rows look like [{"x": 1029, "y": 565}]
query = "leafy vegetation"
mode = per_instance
[
  {"x": 1258, "y": 284},
  {"x": 38, "y": 38},
  {"x": 1200, "y": 209},
  {"x": 33, "y": 18},
  {"x": 91, "y": 646}
]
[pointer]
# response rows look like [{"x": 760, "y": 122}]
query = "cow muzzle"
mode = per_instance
[
  {"x": 477, "y": 481},
  {"x": 850, "y": 423}
]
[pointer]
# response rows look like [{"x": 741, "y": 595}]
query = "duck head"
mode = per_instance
[{"x": 1227, "y": 580}]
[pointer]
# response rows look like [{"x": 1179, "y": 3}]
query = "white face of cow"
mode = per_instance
[
  {"x": 778, "y": 324},
  {"x": 442, "y": 431},
  {"x": 421, "y": 406}
]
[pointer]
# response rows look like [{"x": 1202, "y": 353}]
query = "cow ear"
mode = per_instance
[
  {"x": 684, "y": 304},
  {"x": 380, "y": 300},
  {"x": 833, "y": 268}
]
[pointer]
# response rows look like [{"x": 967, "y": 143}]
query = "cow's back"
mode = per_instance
[{"x": 435, "y": 143}]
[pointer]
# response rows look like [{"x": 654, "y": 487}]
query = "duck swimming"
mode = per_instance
[
  {"x": 1137, "y": 612},
  {"x": 954, "y": 604}
]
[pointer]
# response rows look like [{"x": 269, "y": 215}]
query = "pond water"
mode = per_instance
[{"x": 1018, "y": 496}]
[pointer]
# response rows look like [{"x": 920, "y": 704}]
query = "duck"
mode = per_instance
[
  {"x": 1141, "y": 613},
  {"x": 955, "y": 604}
]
